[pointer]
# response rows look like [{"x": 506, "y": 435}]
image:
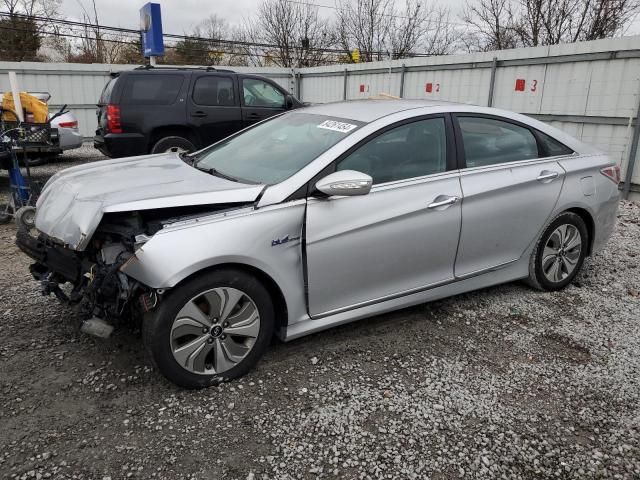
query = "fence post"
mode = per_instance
[
  {"x": 299, "y": 86},
  {"x": 402, "y": 80},
  {"x": 344, "y": 90},
  {"x": 494, "y": 66},
  {"x": 632, "y": 155}
]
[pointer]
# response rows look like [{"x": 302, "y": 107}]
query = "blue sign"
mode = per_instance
[{"x": 151, "y": 30}]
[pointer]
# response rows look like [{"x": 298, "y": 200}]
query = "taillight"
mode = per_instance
[
  {"x": 113, "y": 119},
  {"x": 612, "y": 173},
  {"x": 68, "y": 124}
]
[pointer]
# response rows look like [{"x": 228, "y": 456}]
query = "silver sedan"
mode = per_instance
[{"x": 315, "y": 218}]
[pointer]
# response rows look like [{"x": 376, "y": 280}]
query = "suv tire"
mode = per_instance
[
  {"x": 173, "y": 144},
  {"x": 210, "y": 329}
]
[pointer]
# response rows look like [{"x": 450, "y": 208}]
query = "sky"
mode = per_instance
[{"x": 180, "y": 16}]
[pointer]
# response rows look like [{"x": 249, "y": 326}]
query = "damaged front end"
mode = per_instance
[
  {"x": 104, "y": 293},
  {"x": 91, "y": 219},
  {"x": 98, "y": 284}
]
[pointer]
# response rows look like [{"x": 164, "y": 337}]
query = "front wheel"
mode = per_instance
[
  {"x": 559, "y": 253},
  {"x": 211, "y": 329}
]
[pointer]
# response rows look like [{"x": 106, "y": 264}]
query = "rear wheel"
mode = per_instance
[
  {"x": 173, "y": 144},
  {"x": 560, "y": 253},
  {"x": 212, "y": 329}
]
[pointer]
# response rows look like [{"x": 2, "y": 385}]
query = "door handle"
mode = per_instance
[
  {"x": 253, "y": 116},
  {"x": 547, "y": 175},
  {"x": 199, "y": 114},
  {"x": 443, "y": 201}
]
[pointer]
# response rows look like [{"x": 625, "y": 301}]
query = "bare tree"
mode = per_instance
[
  {"x": 424, "y": 28},
  {"x": 365, "y": 25},
  {"x": 32, "y": 8},
  {"x": 378, "y": 29},
  {"x": 491, "y": 25},
  {"x": 295, "y": 30},
  {"x": 21, "y": 30},
  {"x": 499, "y": 24}
]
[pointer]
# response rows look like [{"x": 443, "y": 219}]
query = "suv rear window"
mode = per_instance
[
  {"x": 152, "y": 89},
  {"x": 105, "y": 96}
]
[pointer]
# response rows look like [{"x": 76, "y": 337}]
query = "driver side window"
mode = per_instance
[
  {"x": 408, "y": 151},
  {"x": 258, "y": 93}
]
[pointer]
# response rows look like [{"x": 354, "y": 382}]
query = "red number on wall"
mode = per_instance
[
  {"x": 534, "y": 86},
  {"x": 429, "y": 87},
  {"x": 520, "y": 84},
  {"x": 437, "y": 87}
]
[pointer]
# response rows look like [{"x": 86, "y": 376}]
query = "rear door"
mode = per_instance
[
  {"x": 509, "y": 191},
  {"x": 213, "y": 107},
  {"x": 260, "y": 99}
]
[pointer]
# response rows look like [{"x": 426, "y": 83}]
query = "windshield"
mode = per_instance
[{"x": 273, "y": 151}]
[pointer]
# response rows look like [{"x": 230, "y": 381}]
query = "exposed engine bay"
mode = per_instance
[{"x": 103, "y": 292}]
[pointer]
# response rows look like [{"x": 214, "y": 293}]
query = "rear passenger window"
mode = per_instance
[
  {"x": 553, "y": 147},
  {"x": 411, "y": 150},
  {"x": 488, "y": 141},
  {"x": 213, "y": 91},
  {"x": 153, "y": 89}
]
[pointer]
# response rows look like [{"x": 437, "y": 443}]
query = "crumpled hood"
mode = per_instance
[{"x": 73, "y": 200}]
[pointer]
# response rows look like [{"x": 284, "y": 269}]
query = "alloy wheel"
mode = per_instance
[
  {"x": 215, "y": 331},
  {"x": 561, "y": 253}
]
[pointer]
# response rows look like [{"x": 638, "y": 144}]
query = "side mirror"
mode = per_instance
[
  {"x": 288, "y": 102},
  {"x": 345, "y": 183}
]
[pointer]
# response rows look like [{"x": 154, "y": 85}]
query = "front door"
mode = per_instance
[
  {"x": 508, "y": 193},
  {"x": 214, "y": 108},
  {"x": 399, "y": 238},
  {"x": 260, "y": 100}
]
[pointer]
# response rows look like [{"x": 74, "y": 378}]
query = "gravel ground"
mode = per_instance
[{"x": 502, "y": 383}]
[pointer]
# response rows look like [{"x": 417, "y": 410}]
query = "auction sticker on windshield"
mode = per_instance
[{"x": 337, "y": 126}]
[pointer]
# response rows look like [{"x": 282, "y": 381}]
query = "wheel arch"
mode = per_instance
[
  {"x": 279, "y": 301},
  {"x": 587, "y": 218},
  {"x": 172, "y": 130}
]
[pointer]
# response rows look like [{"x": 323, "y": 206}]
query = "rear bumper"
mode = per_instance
[
  {"x": 116, "y": 145},
  {"x": 69, "y": 138}
]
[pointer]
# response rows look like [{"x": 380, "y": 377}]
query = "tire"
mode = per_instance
[
  {"x": 200, "y": 339},
  {"x": 26, "y": 218},
  {"x": 173, "y": 144},
  {"x": 556, "y": 260}
]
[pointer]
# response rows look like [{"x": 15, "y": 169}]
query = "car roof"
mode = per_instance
[{"x": 368, "y": 110}]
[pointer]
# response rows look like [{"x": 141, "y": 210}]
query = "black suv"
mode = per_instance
[{"x": 154, "y": 110}]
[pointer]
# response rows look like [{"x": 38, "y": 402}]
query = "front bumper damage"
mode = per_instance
[{"x": 102, "y": 292}]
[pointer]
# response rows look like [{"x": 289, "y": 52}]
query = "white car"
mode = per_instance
[
  {"x": 314, "y": 218},
  {"x": 69, "y": 136},
  {"x": 68, "y": 133}
]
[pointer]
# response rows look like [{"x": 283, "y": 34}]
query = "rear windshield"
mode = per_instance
[
  {"x": 272, "y": 151},
  {"x": 153, "y": 89},
  {"x": 106, "y": 91}
]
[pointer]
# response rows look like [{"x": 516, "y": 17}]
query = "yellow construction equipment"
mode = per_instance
[{"x": 36, "y": 111}]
